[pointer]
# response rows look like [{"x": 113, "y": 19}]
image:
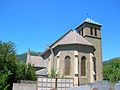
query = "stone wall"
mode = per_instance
[{"x": 25, "y": 85}]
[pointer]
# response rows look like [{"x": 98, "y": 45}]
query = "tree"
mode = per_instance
[
  {"x": 111, "y": 70},
  {"x": 3, "y": 81},
  {"x": 53, "y": 73},
  {"x": 7, "y": 62},
  {"x": 10, "y": 69},
  {"x": 25, "y": 72}
]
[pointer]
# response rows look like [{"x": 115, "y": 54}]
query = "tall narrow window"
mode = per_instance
[
  {"x": 91, "y": 31},
  {"x": 83, "y": 66},
  {"x": 95, "y": 30},
  {"x": 79, "y": 32},
  {"x": 82, "y": 32},
  {"x": 67, "y": 65},
  {"x": 94, "y": 68}
]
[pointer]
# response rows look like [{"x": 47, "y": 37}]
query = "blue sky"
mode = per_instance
[{"x": 35, "y": 24}]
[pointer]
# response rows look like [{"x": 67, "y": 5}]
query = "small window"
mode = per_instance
[
  {"x": 76, "y": 55},
  {"x": 91, "y": 31},
  {"x": 57, "y": 56},
  {"x": 95, "y": 31},
  {"x": 76, "y": 75}
]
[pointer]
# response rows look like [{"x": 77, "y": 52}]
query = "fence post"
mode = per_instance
[{"x": 56, "y": 83}]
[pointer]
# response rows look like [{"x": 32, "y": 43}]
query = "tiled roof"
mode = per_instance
[
  {"x": 72, "y": 37},
  {"x": 42, "y": 72},
  {"x": 91, "y": 21},
  {"x": 87, "y": 20},
  {"x": 37, "y": 61}
]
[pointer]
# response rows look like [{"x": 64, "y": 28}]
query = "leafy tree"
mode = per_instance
[
  {"x": 111, "y": 70},
  {"x": 53, "y": 73},
  {"x": 10, "y": 69},
  {"x": 25, "y": 72},
  {"x": 30, "y": 75},
  {"x": 7, "y": 62},
  {"x": 3, "y": 80}
]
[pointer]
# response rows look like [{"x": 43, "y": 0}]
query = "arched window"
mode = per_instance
[
  {"x": 67, "y": 65},
  {"x": 83, "y": 66}
]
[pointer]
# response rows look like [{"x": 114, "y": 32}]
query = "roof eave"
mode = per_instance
[
  {"x": 88, "y": 23},
  {"x": 74, "y": 44},
  {"x": 78, "y": 44},
  {"x": 51, "y": 46},
  {"x": 45, "y": 51},
  {"x": 60, "y": 38}
]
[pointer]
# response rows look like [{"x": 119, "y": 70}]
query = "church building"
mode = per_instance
[{"x": 77, "y": 54}]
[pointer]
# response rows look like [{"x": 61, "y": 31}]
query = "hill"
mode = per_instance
[
  {"x": 111, "y": 70},
  {"x": 22, "y": 57},
  {"x": 107, "y": 62}
]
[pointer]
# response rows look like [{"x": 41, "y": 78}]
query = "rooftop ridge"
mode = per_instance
[
  {"x": 88, "y": 20},
  {"x": 91, "y": 21}
]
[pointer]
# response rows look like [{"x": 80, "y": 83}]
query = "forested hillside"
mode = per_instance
[
  {"x": 111, "y": 70},
  {"x": 23, "y": 56}
]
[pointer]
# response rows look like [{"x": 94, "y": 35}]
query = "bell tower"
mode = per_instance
[{"x": 91, "y": 31}]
